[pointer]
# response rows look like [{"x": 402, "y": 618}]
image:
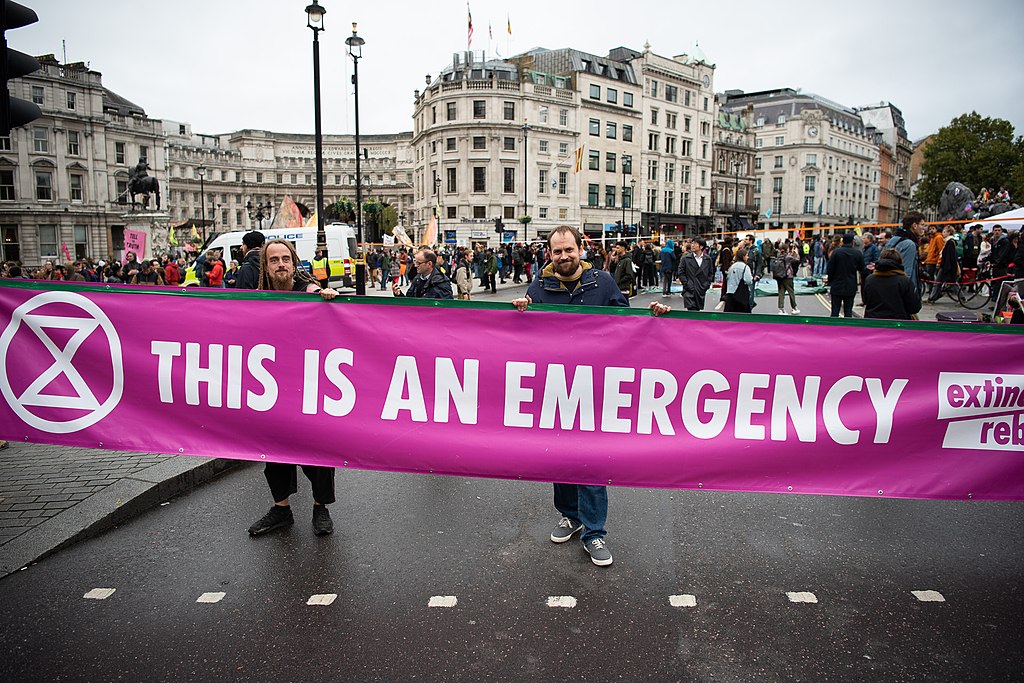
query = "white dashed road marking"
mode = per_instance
[
  {"x": 99, "y": 593},
  {"x": 211, "y": 597},
  {"x": 442, "y": 601},
  {"x": 682, "y": 600},
  {"x": 929, "y": 596},
  {"x": 803, "y": 596},
  {"x": 322, "y": 599},
  {"x": 561, "y": 601}
]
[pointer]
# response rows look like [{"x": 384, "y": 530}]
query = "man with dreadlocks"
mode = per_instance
[{"x": 279, "y": 271}]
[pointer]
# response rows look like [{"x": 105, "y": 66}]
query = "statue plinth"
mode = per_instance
[{"x": 155, "y": 226}]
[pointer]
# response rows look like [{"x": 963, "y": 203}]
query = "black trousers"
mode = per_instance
[{"x": 284, "y": 482}]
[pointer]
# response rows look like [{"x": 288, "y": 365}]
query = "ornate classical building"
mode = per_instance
[
  {"x": 733, "y": 181},
  {"x": 816, "y": 161},
  {"x": 64, "y": 176}
]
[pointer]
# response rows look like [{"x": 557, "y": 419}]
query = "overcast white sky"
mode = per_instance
[{"x": 224, "y": 65}]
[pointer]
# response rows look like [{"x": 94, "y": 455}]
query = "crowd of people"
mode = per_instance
[{"x": 933, "y": 259}]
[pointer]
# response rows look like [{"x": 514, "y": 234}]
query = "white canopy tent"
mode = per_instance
[{"x": 1011, "y": 220}]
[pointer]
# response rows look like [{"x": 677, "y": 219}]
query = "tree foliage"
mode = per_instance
[{"x": 976, "y": 151}]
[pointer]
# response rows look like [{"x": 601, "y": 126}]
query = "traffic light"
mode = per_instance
[
  {"x": 13, "y": 111},
  {"x": 499, "y": 227}
]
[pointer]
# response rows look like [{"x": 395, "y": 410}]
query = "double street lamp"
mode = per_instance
[
  {"x": 315, "y": 21},
  {"x": 526, "y": 208},
  {"x": 259, "y": 212}
]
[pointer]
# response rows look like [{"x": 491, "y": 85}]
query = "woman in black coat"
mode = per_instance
[
  {"x": 948, "y": 273},
  {"x": 888, "y": 292}
]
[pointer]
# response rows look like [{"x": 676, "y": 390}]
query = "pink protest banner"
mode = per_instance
[
  {"x": 597, "y": 396},
  {"x": 135, "y": 241}
]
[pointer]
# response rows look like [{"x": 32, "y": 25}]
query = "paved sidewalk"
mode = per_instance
[{"x": 51, "y": 496}]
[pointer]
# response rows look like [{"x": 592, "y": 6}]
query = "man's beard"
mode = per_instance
[
  {"x": 281, "y": 280},
  {"x": 566, "y": 268}
]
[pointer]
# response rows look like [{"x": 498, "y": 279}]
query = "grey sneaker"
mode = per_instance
[
  {"x": 599, "y": 553},
  {"x": 565, "y": 530},
  {"x": 279, "y": 516}
]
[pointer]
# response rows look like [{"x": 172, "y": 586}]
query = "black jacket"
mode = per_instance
[
  {"x": 249, "y": 272},
  {"x": 695, "y": 278},
  {"x": 890, "y": 294},
  {"x": 434, "y": 286},
  {"x": 844, "y": 265}
]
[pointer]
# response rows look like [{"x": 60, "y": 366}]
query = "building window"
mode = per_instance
[
  {"x": 5, "y": 143},
  {"x": 759, "y": 143},
  {"x": 670, "y": 144},
  {"x": 238, "y": 217},
  {"x": 563, "y": 213},
  {"x": 47, "y": 241},
  {"x": 627, "y": 133},
  {"x": 811, "y": 160},
  {"x": 809, "y": 183},
  {"x": 757, "y": 185},
  {"x": 452, "y": 184},
  {"x": 71, "y": 100},
  {"x": 479, "y": 212},
  {"x": 654, "y": 117},
  {"x": 119, "y": 153},
  {"x": 780, "y": 120},
  {"x": 37, "y": 95},
  {"x": 613, "y": 95},
  {"x": 41, "y": 140},
  {"x": 670, "y": 120},
  {"x": 703, "y": 150},
  {"x": 670, "y": 172},
  {"x": 542, "y": 145},
  {"x": 77, "y": 187},
  {"x": 479, "y": 142},
  {"x": 542, "y": 212},
  {"x": 563, "y": 182},
  {"x": 509, "y": 212},
  {"x": 686, "y": 174},
  {"x": 627, "y": 163},
  {"x": 808, "y": 204},
  {"x": 671, "y": 95},
  {"x": 510, "y": 144},
  {"x": 452, "y": 211},
  {"x": 543, "y": 115},
  {"x": 563, "y": 117},
  {"x": 563, "y": 149},
  {"x": 542, "y": 181},
  {"x": 451, "y": 111},
  {"x": 654, "y": 88},
  {"x": 686, "y": 124},
  {"x": 595, "y": 91},
  {"x": 627, "y": 99},
  {"x": 609, "y": 196},
  {"x": 10, "y": 246},
  {"x": 652, "y": 200},
  {"x": 670, "y": 201},
  {"x": 479, "y": 109},
  {"x": 592, "y": 190},
  {"x": 757, "y": 164},
  {"x": 510, "y": 180},
  {"x": 780, "y": 140},
  {"x": 627, "y": 197},
  {"x": 652, "y": 169},
  {"x": 144, "y": 155},
  {"x": 652, "y": 142},
  {"x": 121, "y": 190},
  {"x": 7, "y": 185},
  {"x": 595, "y": 126},
  {"x": 611, "y": 130},
  {"x": 595, "y": 160},
  {"x": 609, "y": 162},
  {"x": 778, "y": 162},
  {"x": 44, "y": 186},
  {"x": 479, "y": 179},
  {"x": 81, "y": 241},
  {"x": 705, "y": 109},
  {"x": 510, "y": 111},
  {"x": 703, "y": 178},
  {"x": 776, "y": 185},
  {"x": 259, "y": 177}
]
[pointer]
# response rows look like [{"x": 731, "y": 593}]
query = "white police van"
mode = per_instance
[{"x": 341, "y": 249}]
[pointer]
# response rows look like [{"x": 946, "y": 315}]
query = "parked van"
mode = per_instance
[{"x": 341, "y": 249}]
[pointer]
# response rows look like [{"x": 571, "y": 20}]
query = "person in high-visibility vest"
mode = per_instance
[{"x": 321, "y": 268}]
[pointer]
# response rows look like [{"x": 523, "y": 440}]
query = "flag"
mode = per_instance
[
  {"x": 64, "y": 248},
  {"x": 469, "y": 32},
  {"x": 172, "y": 238},
  {"x": 509, "y": 24},
  {"x": 579, "y": 159},
  {"x": 819, "y": 208},
  {"x": 490, "y": 33},
  {"x": 195, "y": 234}
]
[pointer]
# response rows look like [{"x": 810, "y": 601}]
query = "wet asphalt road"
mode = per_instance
[{"x": 402, "y": 539}]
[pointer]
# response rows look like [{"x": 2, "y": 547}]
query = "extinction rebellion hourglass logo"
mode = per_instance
[
  {"x": 987, "y": 410},
  {"x": 61, "y": 371}
]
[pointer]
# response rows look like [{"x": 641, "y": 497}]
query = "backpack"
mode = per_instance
[{"x": 779, "y": 269}]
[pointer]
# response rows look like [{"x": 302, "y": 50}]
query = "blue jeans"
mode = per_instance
[
  {"x": 819, "y": 265},
  {"x": 585, "y": 504},
  {"x": 666, "y": 282}
]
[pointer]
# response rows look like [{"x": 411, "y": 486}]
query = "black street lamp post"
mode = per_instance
[
  {"x": 899, "y": 199},
  {"x": 736, "y": 187},
  {"x": 526, "y": 208},
  {"x": 355, "y": 51},
  {"x": 315, "y": 21},
  {"x": 632, "y": 202},
  {"x": 624, "y": 197},
  {"x": 201, "y": 171}
]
